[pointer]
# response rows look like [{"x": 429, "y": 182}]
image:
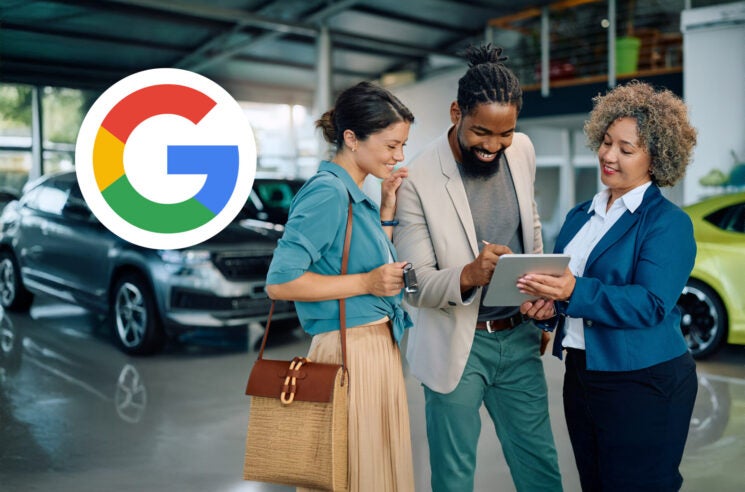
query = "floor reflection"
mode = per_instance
[
  {"x": 131, "y": 395},
  {"x": 715, "y": 451},
  {"x": 77, "y": 414}
]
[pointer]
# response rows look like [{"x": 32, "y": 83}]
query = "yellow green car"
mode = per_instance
[{"x": 713, "y": 301}]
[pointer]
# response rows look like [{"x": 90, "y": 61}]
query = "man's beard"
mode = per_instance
[{"x": 472, "y": 166}]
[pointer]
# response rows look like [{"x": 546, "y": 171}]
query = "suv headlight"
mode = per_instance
[{"x": 184, "y": 257}]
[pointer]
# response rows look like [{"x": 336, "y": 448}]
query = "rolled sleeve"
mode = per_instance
[
  {"x": 292, "y": 257},
  {"x": 315, "y": 218}
]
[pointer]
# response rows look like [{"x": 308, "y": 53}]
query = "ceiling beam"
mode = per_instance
[
  {"x": 46, "y": 72},
  {"x": 88, "y": 6},
  {"x": 117, "y": 40},
  {"x": 311, "y": 67},
  {"x": 387, "y": 47},
  {"x": 278, "y": 27},
  {"x": 228, "y": 51},
  {"x": 46, "y": 30},
  {"x": 223, "y": 14},
  {"x": 406, "y": 18}
]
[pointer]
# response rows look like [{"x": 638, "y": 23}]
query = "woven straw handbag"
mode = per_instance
[{"x": 297, "y": 428}]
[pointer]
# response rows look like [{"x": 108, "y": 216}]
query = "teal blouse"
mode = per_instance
[{"x": 314, "y": 239}]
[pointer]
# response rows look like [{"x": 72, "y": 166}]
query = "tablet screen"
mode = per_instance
[{"x": 503, "y": 290}]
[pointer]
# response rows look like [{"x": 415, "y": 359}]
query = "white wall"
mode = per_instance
[
  {"x": 429, "y": 100},
  {"x": 714, "y": 89}
]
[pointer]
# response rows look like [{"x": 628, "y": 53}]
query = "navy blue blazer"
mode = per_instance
[{"x": 632, "y": 280}]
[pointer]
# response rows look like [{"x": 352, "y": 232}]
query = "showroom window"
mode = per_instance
[
  {"x": 15, "y": 136},
  {"x": 285, "y": 137},
  {"x": 286, "y": 143},
  {"x": 63, "y": 111}
]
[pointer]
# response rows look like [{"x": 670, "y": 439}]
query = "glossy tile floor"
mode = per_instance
[{"x": 78, "y": 415}]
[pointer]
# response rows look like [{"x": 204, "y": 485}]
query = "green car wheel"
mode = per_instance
[{"x": 703, "y": 318}]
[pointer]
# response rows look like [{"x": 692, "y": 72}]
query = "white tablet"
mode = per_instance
[{"x": 503, "y": 290}]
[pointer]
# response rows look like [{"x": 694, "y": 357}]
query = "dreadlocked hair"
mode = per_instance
[{"x": 487, "y": 80}]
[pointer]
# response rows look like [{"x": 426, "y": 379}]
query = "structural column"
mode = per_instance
[{"x": 322, "y": 97}]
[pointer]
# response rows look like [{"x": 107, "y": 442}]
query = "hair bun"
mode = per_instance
[
  {"x": 327, "y": 126},
  {"x": 488, "y": 53}
]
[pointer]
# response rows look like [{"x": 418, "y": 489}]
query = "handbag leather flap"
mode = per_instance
[{"x": 314, "y": 381}]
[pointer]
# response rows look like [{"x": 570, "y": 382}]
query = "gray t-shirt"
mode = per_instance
[{"x": 496, "y": 218}]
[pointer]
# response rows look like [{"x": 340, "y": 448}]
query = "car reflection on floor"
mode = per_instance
[
  {"x": 715, "y": 450},
  {"x": 130, "y": 394},
  {"x": 66, "y": 403},
  {"x": 77, "y": 414}
]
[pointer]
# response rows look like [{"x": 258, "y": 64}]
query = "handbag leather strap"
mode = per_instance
[{"x": 342, "y": 303}]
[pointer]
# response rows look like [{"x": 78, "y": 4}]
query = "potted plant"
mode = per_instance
[{"x": 627, "y": 47}]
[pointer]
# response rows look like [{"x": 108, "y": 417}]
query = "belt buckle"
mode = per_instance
[{"x": 488, "y": 327}]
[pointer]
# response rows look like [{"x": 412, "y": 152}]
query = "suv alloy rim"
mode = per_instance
[
  {"x": 7, "y": 282},
  {"x": 131, "y": 315}
]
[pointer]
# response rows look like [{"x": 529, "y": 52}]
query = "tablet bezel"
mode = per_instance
[{"x": 503, "y": 289}]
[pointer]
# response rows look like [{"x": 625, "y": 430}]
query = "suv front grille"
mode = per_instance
[
  {"x": 184, "y": 299},
  {"x": 242, "y": 267},
  {"x": 196, "y": 301}
]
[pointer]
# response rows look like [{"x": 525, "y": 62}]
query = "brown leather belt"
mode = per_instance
[{"x": 501, "y": 324}]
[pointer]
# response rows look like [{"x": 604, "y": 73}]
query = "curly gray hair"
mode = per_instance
[{"x": 661, "y": 122}]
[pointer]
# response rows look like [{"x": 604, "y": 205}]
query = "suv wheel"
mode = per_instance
[
  {"x": 135, "y": 318},
  {"x": 13, "y": 295},
  {"x": 703, "y": 318}
]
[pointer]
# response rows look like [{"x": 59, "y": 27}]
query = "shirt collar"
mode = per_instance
[
  {"x": 354, "y": 191},
  {"x": 629, "y": 200}
]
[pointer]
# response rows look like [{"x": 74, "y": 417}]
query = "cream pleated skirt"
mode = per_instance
[{"x": 379, "y": 437}]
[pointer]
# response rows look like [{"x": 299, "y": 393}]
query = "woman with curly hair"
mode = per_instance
[{"x": 630, "y": 383}]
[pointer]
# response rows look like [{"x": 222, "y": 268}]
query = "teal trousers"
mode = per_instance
[{"x": 504, "y": 372}]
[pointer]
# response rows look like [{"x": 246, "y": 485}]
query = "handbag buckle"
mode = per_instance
[{"x": 289, "y": 385}]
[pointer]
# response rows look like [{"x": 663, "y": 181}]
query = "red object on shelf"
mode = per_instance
[{"x": 558, "y": 70}]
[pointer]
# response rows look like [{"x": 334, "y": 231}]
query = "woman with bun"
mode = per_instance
[{"x": 369, "y": 127}]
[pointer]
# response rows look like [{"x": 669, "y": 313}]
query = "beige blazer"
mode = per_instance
[{"x": 436, "y": 234}]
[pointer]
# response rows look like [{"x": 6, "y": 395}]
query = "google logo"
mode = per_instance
[{"x": 165, "y": 158}]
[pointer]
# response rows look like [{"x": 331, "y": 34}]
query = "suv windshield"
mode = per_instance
[{"x": 270, "y": 200}]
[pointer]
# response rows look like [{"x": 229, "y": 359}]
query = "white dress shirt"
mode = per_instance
[{"x": 588, "y": 237}]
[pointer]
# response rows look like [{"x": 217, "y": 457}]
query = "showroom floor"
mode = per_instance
[{"x": 78, "y": 415}]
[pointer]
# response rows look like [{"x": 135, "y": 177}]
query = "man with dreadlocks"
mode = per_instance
[{"x": 468, "y": 200}]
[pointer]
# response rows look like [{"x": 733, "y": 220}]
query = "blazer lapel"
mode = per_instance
[
  {"x": 619, "y": 229},
  {"x": 572, "y": 226},
  {"x": 622, "y": 226},
  {"x": 457, "y": 192}
]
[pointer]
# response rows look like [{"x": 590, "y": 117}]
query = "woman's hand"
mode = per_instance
[
  {"x": 539, "y": 309},
  {"x": 388, "y": 193},
  {"x": 548, "y": 286},
  {"x": 386, "y": 280}
]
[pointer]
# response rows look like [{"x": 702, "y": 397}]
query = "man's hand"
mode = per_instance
[{"x": 480, "y": 270}]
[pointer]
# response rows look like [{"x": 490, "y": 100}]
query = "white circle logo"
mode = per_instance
[{"x": 165, "y": 158}]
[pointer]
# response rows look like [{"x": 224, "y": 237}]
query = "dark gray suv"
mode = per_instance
[{"x": 51, "y": 243}]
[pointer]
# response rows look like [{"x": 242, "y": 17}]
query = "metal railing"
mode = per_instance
[{"x": 574, "y": 41}]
